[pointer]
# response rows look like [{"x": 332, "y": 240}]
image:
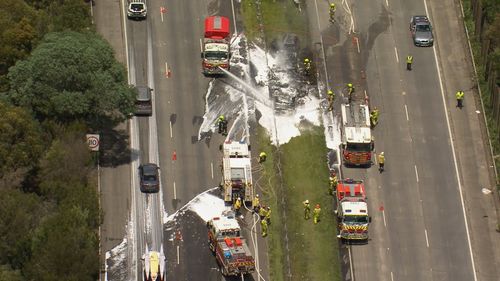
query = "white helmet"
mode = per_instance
[
  {"x": 257, "y": 195},
  {"x": 382, "y": 153},
  {"x": 307, "y": 202}
]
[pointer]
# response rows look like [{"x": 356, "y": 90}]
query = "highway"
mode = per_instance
[{"x": 418, "y": 230}]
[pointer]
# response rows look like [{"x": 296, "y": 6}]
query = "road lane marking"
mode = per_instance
[
  {"x": 178, "y": 258},
  {"x": 357, "y": 44},
  {"x": 175, "y": 191},
  {"x": 387, "y": 3},
  {"x": 416, "y": 172},
  {"x": 454, "y": 155},
  {"x": 392, "y": 276},
  {"x": 406, "y": 110},
  {"x": 350, "y": 263},
  {"x": 171, "y": 134},
  {"x": 201, "y": 46},
  {"x": 426, "y": 238},
  {"x": 383, "y": 215},
  {"x": 212, "y": 169},
  {"x": 396, "y": 52}
]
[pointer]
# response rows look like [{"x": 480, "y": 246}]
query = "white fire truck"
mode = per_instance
[
  {"x": 357, "y": 141},
  {"x": 237, "y": 172}
]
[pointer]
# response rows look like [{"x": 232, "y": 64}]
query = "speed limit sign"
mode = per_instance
[{"x": 93, "y": 142}]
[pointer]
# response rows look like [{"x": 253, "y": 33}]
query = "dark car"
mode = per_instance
[
  {"x": 149, "y": 178},
  {"x": 143, "y": 102},
  {"x": 421, "y": 31}
]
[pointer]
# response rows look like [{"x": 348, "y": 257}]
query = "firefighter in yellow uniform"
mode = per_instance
[
  {"x": 331, "y": 98},
  {"x": 262, "y": 212},
  {"x": 307, "y": 66},
  {"x": 237, "y": 206},
  {"x": 307, "y": 209},
  {"x": 263, "y": 225},
  {"x": 460, "y": 99},
  {"x": 262, "y": 157},
  {"x": 256, "y": 203},
  {"x": 316, "y": 213},
  {"x": 267, "y": 217},
  {"x": 350, "y": 90},
  {"x": 374, "y": 117},
  {"x": 333, "y": 184},
  {"x": 381, "y": 161}
]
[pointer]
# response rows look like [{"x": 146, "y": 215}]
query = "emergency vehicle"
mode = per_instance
[
  {"x": 352, "y": 210},
  {"x": 229, "y": 247},
  {"x": 216, "y": 46},
  {"x": 357, "y": 141},
  {"x": 237, "y": 172},
  {"x": 153, "y": 265}
]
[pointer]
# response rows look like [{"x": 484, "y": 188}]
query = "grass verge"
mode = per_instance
[
  {"x": 485, "y": 91},
  {"x": 313, "y": 249}
]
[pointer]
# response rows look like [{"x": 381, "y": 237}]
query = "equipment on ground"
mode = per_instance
[
  {"x": 352, "y": 210},
  {"x": 216, "y": 45},
  {"x": 237, "y": 172},
  {"x": 230, "y": 248},
  {"x": 357, "y": 142},
  {"x": 154, "y": 265}
]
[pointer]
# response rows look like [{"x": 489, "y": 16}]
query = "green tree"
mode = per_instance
[
  {"x": 72, "y": 76},
  {"x": 64, "y": 248},
  {"x": 21, "y": 144},
  {"x": 19, "y": 216}
]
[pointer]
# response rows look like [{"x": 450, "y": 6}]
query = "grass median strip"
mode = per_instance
[{"x": 313, "y": 249}]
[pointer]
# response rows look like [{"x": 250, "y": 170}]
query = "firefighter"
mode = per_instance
[
  {"x": 316, "y": 213},
  {"x": 350, "y": 90},
  {"x": 222, "y": 124},
  {"x": 409, "y": 61},
  {"x": 374, "y": 117},
  {"x": 256, "y": 203},
  {"x": 460, "y": 98},
  {"x": 237, "y": 206},
  {"x": 331, "y": 98},
  {"x": 262, "y": 212},
  {"x": 262, "y": 157},
  {"x": 332, "y": 12},
  {"x": 307, "y": 209},
  {"x": 263, "y": 225},
  {"x": 268, "y": 215},
  {"x": 333, "y": 184},
  {"x": 381, "y": 162},
  {"x": 307, "y": 66}
]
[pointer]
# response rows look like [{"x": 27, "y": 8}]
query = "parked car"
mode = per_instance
[
  {"x": 149, "y": 178},
  {"x": 421, "y": 31},
  {"x": 143, "y": 102}
]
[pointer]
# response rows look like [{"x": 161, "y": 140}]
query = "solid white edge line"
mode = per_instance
[
  {"x": 212, "y": 169},
  {"x": 178, "y": 255},
  {"x": 351, "y": 266},
  {"x": 234, "y": 17},
  {"x": 396, "y": 52},
  {"x": 383, "y": 215},
  {"x": 457, "y": 173},
  {"x": 426, "y": 238},
  {"x": 406, "y": 110},
  {"x": 416, "y": 172}
]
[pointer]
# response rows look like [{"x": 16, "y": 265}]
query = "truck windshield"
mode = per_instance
[
  {"x": 355, "y": 219},
  {"x": 216, "y": 55},
  {"x": 359, "y": 147}
]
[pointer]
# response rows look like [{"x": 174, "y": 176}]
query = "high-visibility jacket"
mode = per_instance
[
  {"x": 268, "y": 214},
  {"x": 262, "y": 155},
  {"x": 460, "y": 95},
  {"x": 381, "y": 159},
  {"x": 237, "y": 204},
  {"x": 409, "y": 59},
  {"x": 256, "y": 202}
]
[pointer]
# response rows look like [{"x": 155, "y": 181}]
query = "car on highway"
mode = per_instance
[
  {"x": 149, "y": 178},
  {"x": 143, "y": 102},
  {"x": 137, "y": 10},
  {"x": 421, "y": 31}
]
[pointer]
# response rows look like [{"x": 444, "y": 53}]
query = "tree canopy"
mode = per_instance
[{"x": 72, "y": 76}]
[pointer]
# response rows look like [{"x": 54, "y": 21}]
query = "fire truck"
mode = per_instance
[
  {"x": 352, "y": 211},
  {"x": 153, "y": 265},
  {"x": 237, "y": 172},
  {"x": 229, "y": 247},
  {"x": 357, "y": 141},
  {"x": 216, "y": 45}
]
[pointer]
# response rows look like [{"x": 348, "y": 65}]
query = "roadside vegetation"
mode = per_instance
[
  {"x": 484, "y": 31},
  {"x": 294, "y": 172},
  {"x": 58, "y": 81}
]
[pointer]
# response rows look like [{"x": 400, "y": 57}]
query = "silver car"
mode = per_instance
[{"x": 421, "y": 31}]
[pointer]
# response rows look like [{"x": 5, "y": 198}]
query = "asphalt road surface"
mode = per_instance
[{"x": 418, "y": 230}]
